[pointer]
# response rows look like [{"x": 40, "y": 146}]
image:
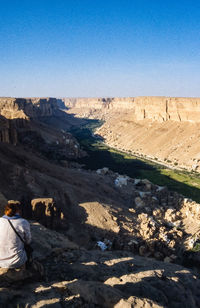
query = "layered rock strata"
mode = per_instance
[
  {"x": 155, "y": 108},
  {"x": 25, "y": 121},
  {"x": 99, "y": 107},
  {"x": 17, "y": 108},
  {"x": 178, "y": 109}
]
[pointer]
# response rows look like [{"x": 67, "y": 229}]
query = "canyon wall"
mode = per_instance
[
  {"x": 15, "y": 113},
  {"x": 162, "y": 109},
  {"x": 34, "y": 122},
  {"x": 100, "y": 103},
  {"x": 13, "y": 108},
  {"x": 155, "y": 108},
  {"x": 98, "y": 108}
]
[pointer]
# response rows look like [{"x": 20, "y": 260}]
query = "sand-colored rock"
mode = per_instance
[
  {"x": 156, "y": 108},
  {"x": 24, "y": 108},
  {"x": 98, "y": 216}
]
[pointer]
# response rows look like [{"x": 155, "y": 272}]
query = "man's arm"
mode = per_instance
[{"x": 27, "y": 232}]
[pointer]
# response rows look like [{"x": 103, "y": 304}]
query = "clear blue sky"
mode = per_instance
[{"x": 99, "y": 48}]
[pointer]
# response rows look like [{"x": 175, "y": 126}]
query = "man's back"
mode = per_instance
[{"x": 12, "y": 253}]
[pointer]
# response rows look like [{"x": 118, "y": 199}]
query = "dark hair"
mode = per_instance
[{"x": 11, "y": 209}]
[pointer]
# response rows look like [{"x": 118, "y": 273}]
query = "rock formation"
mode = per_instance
[
  {"x": 161, "y": 109},
  {"x": 45, "y": 211},
  {"x": 25, "y": 121},
  {"x": 98, "y": 107},
  {"x": 179, "y": 109},
  {"x": 17, "y": 108}
]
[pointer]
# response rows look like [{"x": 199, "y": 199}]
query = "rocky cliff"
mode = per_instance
[
  {"x": 17, "y": 108},
  {"x": 98, "y": 107},
  {"x": 26, "y": 121},
  {"x": 16, "y": 112},
  {"x": 154, "y": 108},
  {"x": 179, "y": 109}
]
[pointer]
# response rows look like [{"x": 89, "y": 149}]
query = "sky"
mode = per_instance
[{"x": 97, "y": 48}]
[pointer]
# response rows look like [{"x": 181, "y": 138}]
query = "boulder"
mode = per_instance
[{"x": 46, "y": 212}]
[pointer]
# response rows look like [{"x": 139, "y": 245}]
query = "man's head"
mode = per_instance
[{"x": 12, "y": 208}]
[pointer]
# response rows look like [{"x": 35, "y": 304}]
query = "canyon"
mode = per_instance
[
  {"x": 164, "y": 129},
  {"x": 151, "y": 234}
]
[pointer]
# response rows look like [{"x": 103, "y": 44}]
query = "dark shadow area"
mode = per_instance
[
  {"x": 61, "y": 104},
  {"x": 165, "y": 284}
]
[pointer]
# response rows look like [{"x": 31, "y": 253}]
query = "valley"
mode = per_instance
[{"x": 101, "y": 155}]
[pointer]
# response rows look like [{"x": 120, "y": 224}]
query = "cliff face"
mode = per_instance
[
  {"x": 16, "y": 112},
  {"x": 33, "y": 123},
  {"x": 162, "y": 109},
  {"x": 100, "y": 103},
  {"x": 15, "y": 108},
  {"x": 159, "y": 109},
  {"x": 98, "y": 108}
]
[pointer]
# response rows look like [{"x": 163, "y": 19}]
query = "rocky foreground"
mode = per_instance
[{"x": 76, "y": 277}]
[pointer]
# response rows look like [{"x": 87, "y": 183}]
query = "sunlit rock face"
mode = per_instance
[
  {"x": 98, "y": 107},
  {"x": 156, "y": 108},
  {"x": 16, "y": 108},
  {"x": 162, "y": 109}
]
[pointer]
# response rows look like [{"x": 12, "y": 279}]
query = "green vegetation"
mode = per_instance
[
  {"x": 100, "y": 155},
  {"x": 196, "y": 248}
]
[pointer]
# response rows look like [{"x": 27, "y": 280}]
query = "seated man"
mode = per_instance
[{"x": 12, "y": 253}]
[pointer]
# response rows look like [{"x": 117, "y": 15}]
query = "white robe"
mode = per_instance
[{"x": 12, "y": 253}]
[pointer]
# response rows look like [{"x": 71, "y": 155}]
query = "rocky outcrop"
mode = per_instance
[
  {"x": 24, "y": 108},
  {"x": 26, "y": 121},
  {"x": 15, "y": 113},
  {"x": 45, "y": 211}
]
